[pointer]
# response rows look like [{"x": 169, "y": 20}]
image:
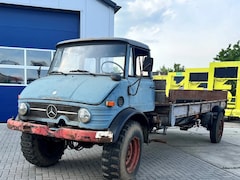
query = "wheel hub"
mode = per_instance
[{"x": 133, "y": 154}]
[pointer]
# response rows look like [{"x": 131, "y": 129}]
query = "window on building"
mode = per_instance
[
  {"x": 38, "y": 58},
  {"x": 21, "y": 66},
  {"x": 11, "y": 75},
  {"x": 11, "y": 56}
]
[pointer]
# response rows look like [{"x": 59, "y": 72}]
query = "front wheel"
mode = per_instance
[
  {"x": 41, "y": 151},
  {"x": 121, "y": 160},
  {"x": 216, "y": 130}
]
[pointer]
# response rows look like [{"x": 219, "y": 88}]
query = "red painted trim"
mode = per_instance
[{"x": 62, "y": 133}]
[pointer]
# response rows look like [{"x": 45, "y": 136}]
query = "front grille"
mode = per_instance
[{"x": 40, "y": 110}]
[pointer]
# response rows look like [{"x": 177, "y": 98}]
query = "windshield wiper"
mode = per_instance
[
  {"x": 79, "y": 70},
  {"x": 57, "y": 72},
  {"x": 82, "y": 71}
]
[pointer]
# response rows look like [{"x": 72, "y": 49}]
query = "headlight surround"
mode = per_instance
[
  {"x": 23, "y": 109},
  {"x": 84, "y": 115}
]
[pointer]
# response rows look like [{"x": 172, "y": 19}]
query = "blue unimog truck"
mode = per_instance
[{"x": 101, "y": 91}]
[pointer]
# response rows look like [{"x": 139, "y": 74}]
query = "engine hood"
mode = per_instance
[{"x": 87, "y": 89}]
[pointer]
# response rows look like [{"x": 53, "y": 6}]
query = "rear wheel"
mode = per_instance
[
  {"x": 41, "y": 151},
  {"x": 120, "y": 160},
  {"x": 216, "y": 131}
]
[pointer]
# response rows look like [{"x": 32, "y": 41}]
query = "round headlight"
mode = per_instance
[
  {"x": 84, "y": 115},
  {"x": 23, "y": 109}
]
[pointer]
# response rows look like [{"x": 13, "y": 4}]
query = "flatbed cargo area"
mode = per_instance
[{"x": 186, "y": 108}]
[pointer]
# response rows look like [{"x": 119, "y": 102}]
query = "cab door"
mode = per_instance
[{"x": 140, "y": 84}]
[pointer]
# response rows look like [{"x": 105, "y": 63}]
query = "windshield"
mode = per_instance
[{"x": 97, "y": 59}]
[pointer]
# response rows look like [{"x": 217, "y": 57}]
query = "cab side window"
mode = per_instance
[
  {"x": 131, "y": 69},
  {"x": 139, "y": 57}
]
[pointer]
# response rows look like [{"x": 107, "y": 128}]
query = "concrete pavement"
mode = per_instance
[{"x": 187, "y": 155}]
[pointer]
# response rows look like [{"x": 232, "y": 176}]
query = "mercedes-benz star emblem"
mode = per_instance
[{"x": 51, "y": 111}]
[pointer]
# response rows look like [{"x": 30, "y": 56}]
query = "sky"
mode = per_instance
[{"x": 186, "y": 32}]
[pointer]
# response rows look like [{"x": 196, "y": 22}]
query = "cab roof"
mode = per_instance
[{"x": 102, "y": 40}]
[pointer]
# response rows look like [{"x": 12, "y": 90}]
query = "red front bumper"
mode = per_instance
[{"x": 62, "y": 133}]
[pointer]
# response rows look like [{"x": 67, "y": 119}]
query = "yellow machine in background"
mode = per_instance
[
  {"x": 196, "y": 78},
  {"x": 174, "y": 80},
  {"x": 218, "y": 76},
  {"x": 225, "y": 76},
  {"x": 192, "y": 79}
]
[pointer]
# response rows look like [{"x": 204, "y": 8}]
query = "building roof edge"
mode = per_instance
[{"x": 111, "y": 4}]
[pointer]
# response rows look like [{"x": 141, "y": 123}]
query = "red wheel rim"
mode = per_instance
[
  {"x": 133, "y": 154},
  {"x": 220, "y": 129}
]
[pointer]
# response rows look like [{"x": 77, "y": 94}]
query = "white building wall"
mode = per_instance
[
  {"x": 103, "y": 18},
  {"x": 96, "y": 18}
]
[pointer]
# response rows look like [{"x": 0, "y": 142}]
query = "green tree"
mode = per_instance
[
  {"x": 163, "y": 70},
  {"x": 176, "y": 68},
  {"x": 232, "y": 53}
]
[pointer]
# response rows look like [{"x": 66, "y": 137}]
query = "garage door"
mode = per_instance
[
  {"x": 31, "y": 27},
  {"x": 22, "y": 26}
]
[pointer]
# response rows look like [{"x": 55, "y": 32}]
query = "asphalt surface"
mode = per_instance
[{"x": 186, "y": 155}]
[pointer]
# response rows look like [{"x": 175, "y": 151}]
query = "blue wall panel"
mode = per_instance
[
  {"x": 8, "y": 101},
  {"x": 22, "y": 26}
]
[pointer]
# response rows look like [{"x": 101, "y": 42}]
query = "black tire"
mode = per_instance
[
  {"x": 216, "y": 130},
  {"x": 121, "y": 160},
  {"x": 41, "y": 151}
]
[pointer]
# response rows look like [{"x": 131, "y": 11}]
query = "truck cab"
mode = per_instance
[
  {"x": 96, "y": 91},
  {"x": 89, "y": 83}
]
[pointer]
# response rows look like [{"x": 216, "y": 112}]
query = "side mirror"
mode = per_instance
[
  {"x": 116, "y": 77},
  {"x": 148, "y": 64}
]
